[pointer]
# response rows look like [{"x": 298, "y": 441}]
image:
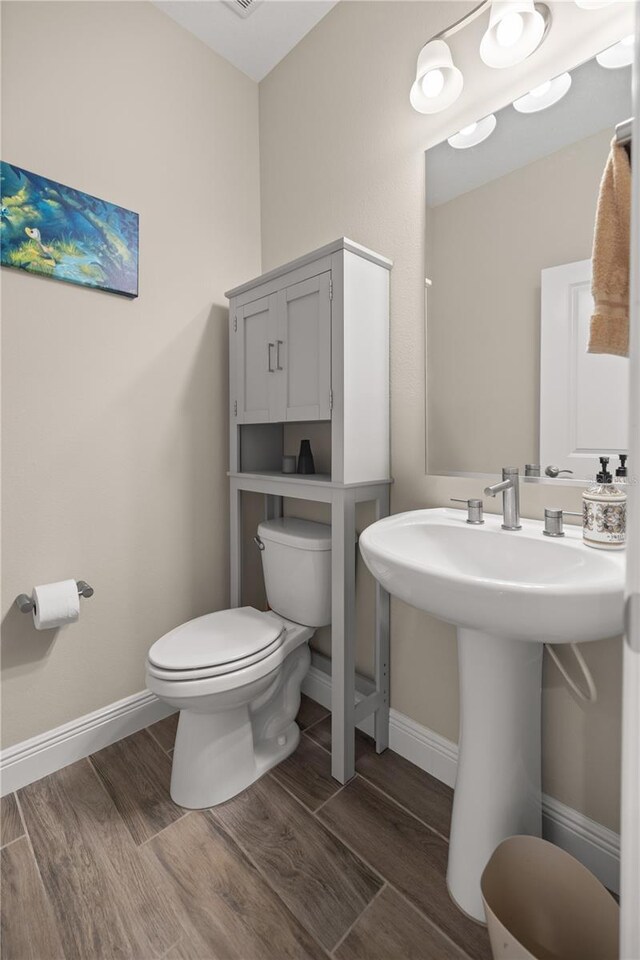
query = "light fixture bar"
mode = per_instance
[{"x": 468, "y": 18}]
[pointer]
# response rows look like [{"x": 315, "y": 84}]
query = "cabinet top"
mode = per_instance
[{"x": 342, "y": 243}]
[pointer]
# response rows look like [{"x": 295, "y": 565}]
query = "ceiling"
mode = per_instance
[{"x": 255, "y": 44}]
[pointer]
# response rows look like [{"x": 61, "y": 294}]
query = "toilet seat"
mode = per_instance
[
  {"x": 222, "y": 669},
  {"x": 169, "y": 683},
  {"x": 215, "y": 645}
]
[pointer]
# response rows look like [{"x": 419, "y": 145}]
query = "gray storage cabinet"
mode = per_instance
[{"x": 309, "y": 341}]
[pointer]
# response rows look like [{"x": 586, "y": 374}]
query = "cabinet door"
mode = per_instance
[
  {"x": 256, "y": 360},
  {"x": 303, "y": 349}
]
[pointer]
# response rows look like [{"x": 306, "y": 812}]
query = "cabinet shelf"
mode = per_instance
[{"x": 312, "y": 479}]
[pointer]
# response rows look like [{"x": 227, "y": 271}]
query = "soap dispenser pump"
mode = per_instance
[
  {"x": 605, "y": 511},
  {"x": 621, "y": 469}
]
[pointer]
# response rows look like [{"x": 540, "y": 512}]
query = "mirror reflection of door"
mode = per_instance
[{"x": 583, "y": 396}]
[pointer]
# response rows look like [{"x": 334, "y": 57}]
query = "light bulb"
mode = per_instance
[
  {"x": 473, "y": 134},
  {"x": 541, "y": 90},
  {"x": 509, "y": 29},
  {"x": 438, "y": 81},
  {"x": 544, "y": 95},
  {"x": 516, "y": 28},
  {"x": 432, "y": 83},
  {"x": 619, "y": 55}
]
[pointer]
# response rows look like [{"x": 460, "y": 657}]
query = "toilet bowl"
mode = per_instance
[{"x": 235, "y": 675}]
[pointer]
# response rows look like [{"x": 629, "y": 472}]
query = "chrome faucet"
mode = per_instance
[{"x": 509, "y": 487}]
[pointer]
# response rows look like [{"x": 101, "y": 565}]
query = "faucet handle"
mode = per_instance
[
  {"x": 553, "y": 472},
  {"x": 554, "y": 521},
  {"x": 474, "y": 509}
]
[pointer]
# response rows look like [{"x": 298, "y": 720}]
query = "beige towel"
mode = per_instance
[{"x": 610, "y": 262}]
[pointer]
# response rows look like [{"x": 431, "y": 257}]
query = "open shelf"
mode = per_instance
[
  {"x": 311, "y": 479},
  {"x": 324, "y": 478},
  {"x": 261, "y": 446}
]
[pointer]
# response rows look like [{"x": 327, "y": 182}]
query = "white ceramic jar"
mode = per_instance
[{"x": 604, "y": 521}]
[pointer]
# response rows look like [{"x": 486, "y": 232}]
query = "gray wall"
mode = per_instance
[
  {"x": 115, "y": 411},
  {"x": 342, "y": 152}
]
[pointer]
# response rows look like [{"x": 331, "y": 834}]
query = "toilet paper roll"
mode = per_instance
[{"x": 55, "y": 604}]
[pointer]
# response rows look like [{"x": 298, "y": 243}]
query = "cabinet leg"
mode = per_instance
[
  {"x": 381, "y": 721},
  {"x": 235, "y": 532},
  {"x": 343, "y": 590}
]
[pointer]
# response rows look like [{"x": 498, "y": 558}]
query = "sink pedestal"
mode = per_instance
[
  {"x": 498, "y": 791},
  {"x": 509, "y": 593}
]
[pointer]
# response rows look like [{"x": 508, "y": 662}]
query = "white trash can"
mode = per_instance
[{"x": 542, "y": 904}]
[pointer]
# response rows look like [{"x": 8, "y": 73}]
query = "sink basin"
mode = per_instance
[
  {"x": 516, "y": 584},
  {"x": 507, "y": 592}
]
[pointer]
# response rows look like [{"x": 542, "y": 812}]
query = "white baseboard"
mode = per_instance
[
  {"x": 423, "y": 747},
  {"x": 597, "y": 847},
  {"x": 36, "y": 758}
]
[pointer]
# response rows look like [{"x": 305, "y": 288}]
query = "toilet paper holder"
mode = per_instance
[{"x": 25, "y": 603}]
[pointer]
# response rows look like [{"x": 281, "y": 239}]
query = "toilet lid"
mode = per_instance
[{"x": 217, "y": 639}]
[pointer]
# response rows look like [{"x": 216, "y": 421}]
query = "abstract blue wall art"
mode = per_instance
[{"x": 56, "y": 231}]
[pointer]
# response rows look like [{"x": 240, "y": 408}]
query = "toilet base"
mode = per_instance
[
  {"x": 227, "y": 741},
  {"x": 215, "y": 758}
]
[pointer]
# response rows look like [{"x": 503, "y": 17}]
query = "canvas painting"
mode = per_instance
[{"x": 56, "y": 231}]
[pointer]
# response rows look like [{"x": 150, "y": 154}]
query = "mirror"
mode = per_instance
[{"x": 510, "y": 225}]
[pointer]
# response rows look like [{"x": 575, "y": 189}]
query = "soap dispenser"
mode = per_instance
[
  {"x": 621, "y": 469},
  {"x": 305, "y": 458},
  {"x": 605, "y": 512}
]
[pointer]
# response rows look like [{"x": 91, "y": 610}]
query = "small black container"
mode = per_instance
[{"x": 305, "y": 458}]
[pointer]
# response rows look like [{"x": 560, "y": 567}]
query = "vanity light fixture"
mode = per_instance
[
  {"x": 619, "y": 55},
  {"x": 474, "y": 134},
  {"x": 438, "y": 81},
  {"x": 516, "y": 29},
  {"x": 545, "y": 95}
]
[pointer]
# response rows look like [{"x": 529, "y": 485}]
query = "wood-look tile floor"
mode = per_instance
[{"x": 97, "y": 862}]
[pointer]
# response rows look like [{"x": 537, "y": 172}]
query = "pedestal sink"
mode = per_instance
[{"x": 508, "y": 593}]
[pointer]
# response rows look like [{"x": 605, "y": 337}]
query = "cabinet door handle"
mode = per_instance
[
  {"x": 270, "y": 347},
  {"x": 279, "y": 343}
]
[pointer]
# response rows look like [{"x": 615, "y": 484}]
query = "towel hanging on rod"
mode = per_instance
[{"x": 609, "y": 328}]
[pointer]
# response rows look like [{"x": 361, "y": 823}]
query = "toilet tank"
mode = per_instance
[{"x": 296, "y": 562}]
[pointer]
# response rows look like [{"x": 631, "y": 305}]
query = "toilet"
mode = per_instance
[{"x": 235, "y": 675}]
